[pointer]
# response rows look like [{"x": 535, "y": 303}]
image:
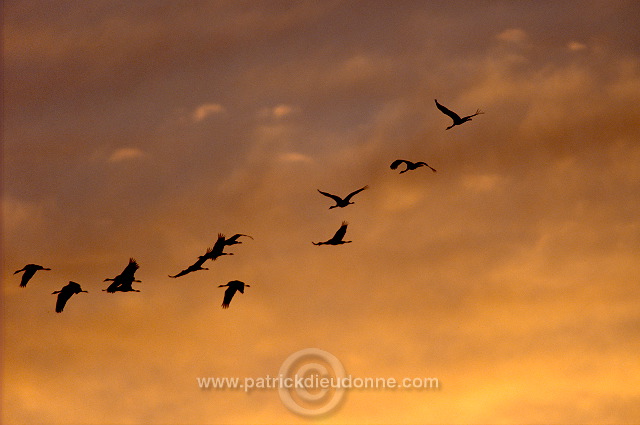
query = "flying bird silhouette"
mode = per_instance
[
  {"x": 29, "y": 270},
  {"x": 455, "y": 117},
  {"x": 340, "y": 202},
  {"x": 410, "y": 165},
  {"x": 212, "y": 253},
  {"x": 124, "y": 281},
  {"x": 233, "y": 286},
  {"x": 218, "y": 248},
  {"x": 195, "y": 266},
  {"x": 337, "y": 239},
  {"x": 65, "y": 293}
]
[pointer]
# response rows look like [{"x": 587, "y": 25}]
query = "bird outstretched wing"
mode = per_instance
[
  {"x": 455, "y": 117},
  {"x": 341, "y": 232},
  {"x": 355, "y": 192},
  {"x": 63, "y": 297},
  {"x": 131, "y": 268},
  {"x": 334, "y": 197},
  {"x": 228, "y": 295},
  {"x": 27, "y": 275},
  {"x": 202, "y": 258},
  {"x": 426, "y": 165},
  {"x": 234, "y": 239}
]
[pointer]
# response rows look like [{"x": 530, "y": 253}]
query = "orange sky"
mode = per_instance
[{"x": 144, "y": 129}]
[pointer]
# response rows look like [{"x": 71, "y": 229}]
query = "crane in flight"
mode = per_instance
[
  {"x": 455, "y": 117},
  {"x": 410, "y": 165},
  {"x": 218, "y": 248},
  {"x": 342, "y": 202},
  {"x": 65, "y": 293},
  {"x": 338, "y": 238},
  {"x": 195, "y": 266},
  {"x": 29, "y": 270},
  {"x": 124, "y": 281},
  {"x": 212, "y": 253},
  {"x": 232, "y": 287}
]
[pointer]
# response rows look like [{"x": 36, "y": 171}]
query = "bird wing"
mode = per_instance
[
  {"x": 27, "y": 275},
  {"x": 65, "y": 293},
  {"x": 203, "y": 258},
  {"x": 218, "y": 247},
  {"x": 115, "y": 285},
  {"x": 182, "y": 273},
  {"x": 63, "y": 296},
  {"x": 340, "y": 233},
  {"x": 191, "y": 268},
  {"x": 334, "y": 197},
  {"x": 397, "y": 162},
  {"x": 455, "y": 117},
  {"x": 234, "y": 238},
  {"x": 355, "y": 192},
  {"x": 228, "y": 295},
  {"x": 131, "y": 268},
  {"x": 421, "y": 163}
]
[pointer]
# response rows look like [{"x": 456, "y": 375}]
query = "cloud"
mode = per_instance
[
  {"x": 206, "y": 110},
  {"x": 126, "y": 154},
  {"x": 576, "y": 46},
  {"x": 294, "y": 157},
  {"x": 278, "y": 111},
  {"x": 19, "y": 215},
  {"x": 512, "y": 35},
  {"x": 481, "y": 183}
]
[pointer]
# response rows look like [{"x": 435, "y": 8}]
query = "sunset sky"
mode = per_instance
[{"x": 143, "y": 129}]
